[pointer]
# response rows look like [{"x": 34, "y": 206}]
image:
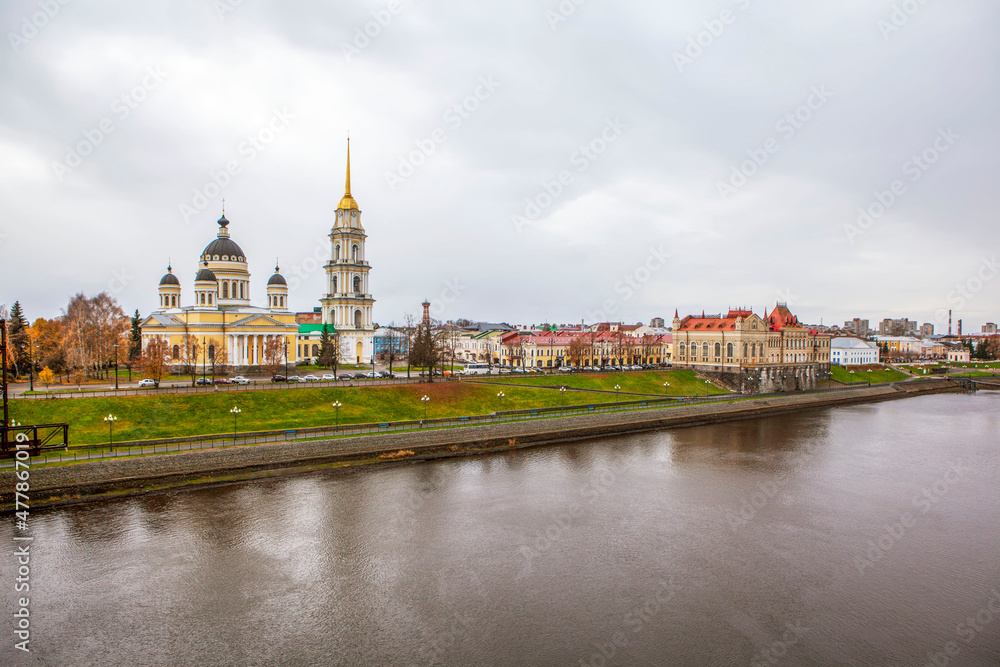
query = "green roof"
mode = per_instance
[{"x": 306, "y": 329}]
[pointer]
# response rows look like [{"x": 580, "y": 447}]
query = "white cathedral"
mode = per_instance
[{"x": 347, "y": 304}]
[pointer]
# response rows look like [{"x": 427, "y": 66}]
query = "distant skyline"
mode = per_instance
[{"x": 523, "y": 163}]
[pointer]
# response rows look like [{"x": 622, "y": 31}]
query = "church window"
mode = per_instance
[
  {"x": 357, "y": 319},
  {"x": 335, "y": 284},
  {"x": 354, "y": 254},
  {"x": 225, "y": 290},
  {"x": 241, "y": 290},
  {"x": 336, "y": 252},
  {"x": 173, "y": 300},
  {"x": 176, "y": 352},
  {"x": 357, "y": 284},
  {"x": 210, "y": 299}
]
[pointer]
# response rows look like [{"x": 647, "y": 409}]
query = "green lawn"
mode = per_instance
[
  {"x": 843, "y": 375},
  {"x": 682, "y": 382},
  {"x": 175, "y": 415},
  {"x": 975, "y": 364}
]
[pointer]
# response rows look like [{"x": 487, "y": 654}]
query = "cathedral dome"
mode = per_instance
[
  {"x": 223, "y": 248},
  {"x": 277, "y": 279},
  {"x": 169, "y": 278},
  {"x": 205, "y": 275}
]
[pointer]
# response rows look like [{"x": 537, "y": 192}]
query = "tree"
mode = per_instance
[
  {"x": 134, "y": 343},
  {"x": 426, "y": 349},
  {"x": 274, "y": 354},
  {"x": 153, "y": 360},
  {"x": 46, "y": 338},
  {"x": 329, "y": 347},
  {"x": 576, "y": 351},
  {"x": 394, "y": 346},
  {"x": 18, "y": 341},
  {"x": 46, "y": 377},
  {"x": 91, "y": 329}
]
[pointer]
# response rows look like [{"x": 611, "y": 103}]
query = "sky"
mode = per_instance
[{"x": 524, "y": 162}]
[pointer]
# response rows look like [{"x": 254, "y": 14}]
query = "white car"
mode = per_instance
[
  {"x": 328, "y": 377},
  {"x": 311, "y": 378},
  {"x": 373, "y": 374},
  {"x": 147, "y": 383},
  {"x": 239, "y": 379}
]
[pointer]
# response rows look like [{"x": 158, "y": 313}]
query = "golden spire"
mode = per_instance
[{"x": 348, "y": 201}]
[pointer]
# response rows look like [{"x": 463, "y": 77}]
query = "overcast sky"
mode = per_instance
[{"x": 595, "y": 166}]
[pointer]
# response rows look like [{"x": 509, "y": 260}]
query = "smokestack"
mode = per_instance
[
  {"x": 960, "y": 328},
  {"x": 949, "y": 321},
  {"x": 427, "y": 312}
]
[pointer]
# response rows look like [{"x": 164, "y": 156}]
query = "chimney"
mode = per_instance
[
  {"x": 949, "y": 322},
  {"x": 960, "y": 328}
]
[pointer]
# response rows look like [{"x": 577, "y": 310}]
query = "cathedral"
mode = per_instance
[{"x": 224, "y": 327}]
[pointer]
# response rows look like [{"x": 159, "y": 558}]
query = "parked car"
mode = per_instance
[
  {"x": 295, "y": 378},
  {"x": 345, "y": 376},
  {"x": 239, "y": 379},
  {"x": 327, "y": 377},
  {"x": 148, "y": 383},
  {"x": 278, "y": 378},
  {"x": 222, "y": 381},
  {"x": 373, "y": 374},
  {"x": 360, "y": 376},
  {"x": 201, "y": 382},
  {"x": 566, "y": 369},
  {"x": 387, "y": 374},
  {"x": 310, "y": 378}
]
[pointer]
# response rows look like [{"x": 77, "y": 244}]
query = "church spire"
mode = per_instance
[{"x": 348, "y": 201}]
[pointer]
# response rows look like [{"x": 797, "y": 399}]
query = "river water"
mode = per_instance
[{"x": 862, "y": 535}]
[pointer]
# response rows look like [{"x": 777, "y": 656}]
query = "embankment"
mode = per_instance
[{"x": 56, "y": 485}]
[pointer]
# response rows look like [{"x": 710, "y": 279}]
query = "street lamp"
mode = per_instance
[
  {"x": 110, "y": 421},
  {"x": 426, "y": 399},
  {"x": 562, "y": 394},
  {"x": 500, "y": 396},
  {"x": 337, "y": 405},
  {"x": 617, "y": 390},
  {"x": 116, "y": 364},
  {"x": 666, "y": 388},
  {"x": 235, "y": 412}
]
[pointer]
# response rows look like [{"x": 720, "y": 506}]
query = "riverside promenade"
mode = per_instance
[{"x": 92, "y": 480}]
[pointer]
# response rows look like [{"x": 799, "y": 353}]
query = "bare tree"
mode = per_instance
[
  {"x": 274, "y": 350},
  {"x": 153, "y": 360},
  {"x": 576, "y": 351}
]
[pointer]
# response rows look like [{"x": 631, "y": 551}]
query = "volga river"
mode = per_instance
[{"x": 864, "y": 535}]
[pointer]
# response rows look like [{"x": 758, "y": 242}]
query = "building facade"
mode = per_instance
[
  {"x": 850, "y": 351},
  {"x": 223, "y": 327},
  {"x": 347, "y": 304}
]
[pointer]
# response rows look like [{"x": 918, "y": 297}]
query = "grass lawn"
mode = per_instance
[
  {"x": 682, "y": 382},
  {"x": 843, "y": 375},
  {"x": 175, "y": 415},
  {"x": 974, "y": 364},
  {"x": 975, "y": 374}
]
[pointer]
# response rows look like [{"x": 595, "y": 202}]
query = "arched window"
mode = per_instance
[
  {"x": 744, "y": 349},
  {"x": 718, "y": 349},
  {"x": 210, "y": 298},
  {"x": 357, "y": 284},
  {"x": 357, "y": 319},
  {"x": 729, "y": 350},
  {"x": 225, "y": 289},
  {"x": 241, "y": 290},
  {"x": 174, "y": 300},
  {"x": 211, "y": 352},
  {"x": 682, "y": 349},
  {"x": 315, "y": 350},
  {"x": 704, "y": 349},
  {"x": 176, "y": 352},
  {"x": 335, "y": 284},
  {"x": 354, "y": 253},
  {"x": 201, "y": 300},
  {"x": 336, "y": 252}
]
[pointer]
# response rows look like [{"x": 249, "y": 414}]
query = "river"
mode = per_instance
[{"x": 861, "y": 535}]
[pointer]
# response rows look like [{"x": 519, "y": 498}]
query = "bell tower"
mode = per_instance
[{"x": 347, "y": 304}]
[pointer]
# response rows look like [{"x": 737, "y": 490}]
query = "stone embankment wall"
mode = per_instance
[{"x": 91, "y": 480}]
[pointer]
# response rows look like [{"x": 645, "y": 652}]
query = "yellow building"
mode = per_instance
[{"x": 223, "y": 327}]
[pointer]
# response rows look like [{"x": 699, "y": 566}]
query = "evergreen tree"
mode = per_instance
[
  {"x": 327, "y": 352},
  {"x": 135, "y": 338},
  {"x": 19, "y": 338}
]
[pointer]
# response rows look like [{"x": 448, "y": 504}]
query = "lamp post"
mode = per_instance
[
  {"x": 617, "y": 390},
  {"x": 235, "y": 412},
  {"x": 110, "y": 421},
  {"x": 336, "y": 406},
  {"x": 204, "y": 361},
  {"x": 116, "y": 364},
  {"x": 425, "y": 400},
  {"x": 500, "y": 396},
  {"x": 31, "y": 365},
  {"x": 666, "y": 389},
  {"x": 562, "y": 395}
]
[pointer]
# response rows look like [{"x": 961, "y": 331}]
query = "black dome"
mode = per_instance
[
  {"x": 222, "y": 247},
  {"x": 205, "y": 274},
  {"x": 169, "y": 279},
  {"x": 277, "y": 279}
]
